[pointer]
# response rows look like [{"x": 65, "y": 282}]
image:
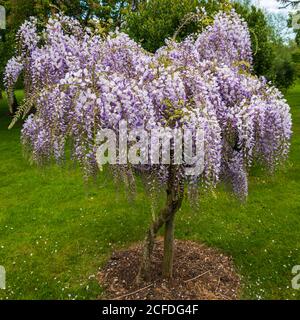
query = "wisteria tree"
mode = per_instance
[{"x": 78, "y": 83}]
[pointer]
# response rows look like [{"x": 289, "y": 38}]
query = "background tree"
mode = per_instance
[
  {"x": 157, "y": 20},
  {"x": 284, "y": 70},
  {"x": 285, "y": 67},
  {"x": 261, "y": 34},
  {"x": 295, "y": 52}
]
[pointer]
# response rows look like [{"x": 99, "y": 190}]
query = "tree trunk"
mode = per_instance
[
  {"x": 144, "y": 272},
  {"x": 175, "y": 191},
  {"x": 169, "y": 248}
]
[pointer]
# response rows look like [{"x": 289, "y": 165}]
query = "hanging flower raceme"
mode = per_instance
[
  {"x": 12, "y": 72},
  {"x": 27, "y": 37},
  {"x": 226, "y": 41}
]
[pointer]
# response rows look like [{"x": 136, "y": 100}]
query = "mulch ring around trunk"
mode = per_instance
[{"x": 200, "y": 273}]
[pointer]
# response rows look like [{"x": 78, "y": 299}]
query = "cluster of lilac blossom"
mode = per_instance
[
  {"x": 81, "y": 83},
  {"x": 28, "y": 37},
  {"x": 12, "y": 72}
]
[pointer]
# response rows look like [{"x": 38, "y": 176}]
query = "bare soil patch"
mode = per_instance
[{"x": 200, "y": 273}]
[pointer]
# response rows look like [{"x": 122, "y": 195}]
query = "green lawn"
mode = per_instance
[{"x": 55, "y": 232}]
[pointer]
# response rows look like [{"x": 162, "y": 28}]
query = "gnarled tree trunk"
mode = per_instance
[
  {"x": 175, "y": 193},
  {"x": 169, "y": 248}
]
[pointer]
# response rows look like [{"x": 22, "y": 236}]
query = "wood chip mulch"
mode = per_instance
[{"x": 200, "y": 273}]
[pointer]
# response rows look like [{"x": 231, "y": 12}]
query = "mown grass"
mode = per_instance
[{"x": 55, "y": 232}]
